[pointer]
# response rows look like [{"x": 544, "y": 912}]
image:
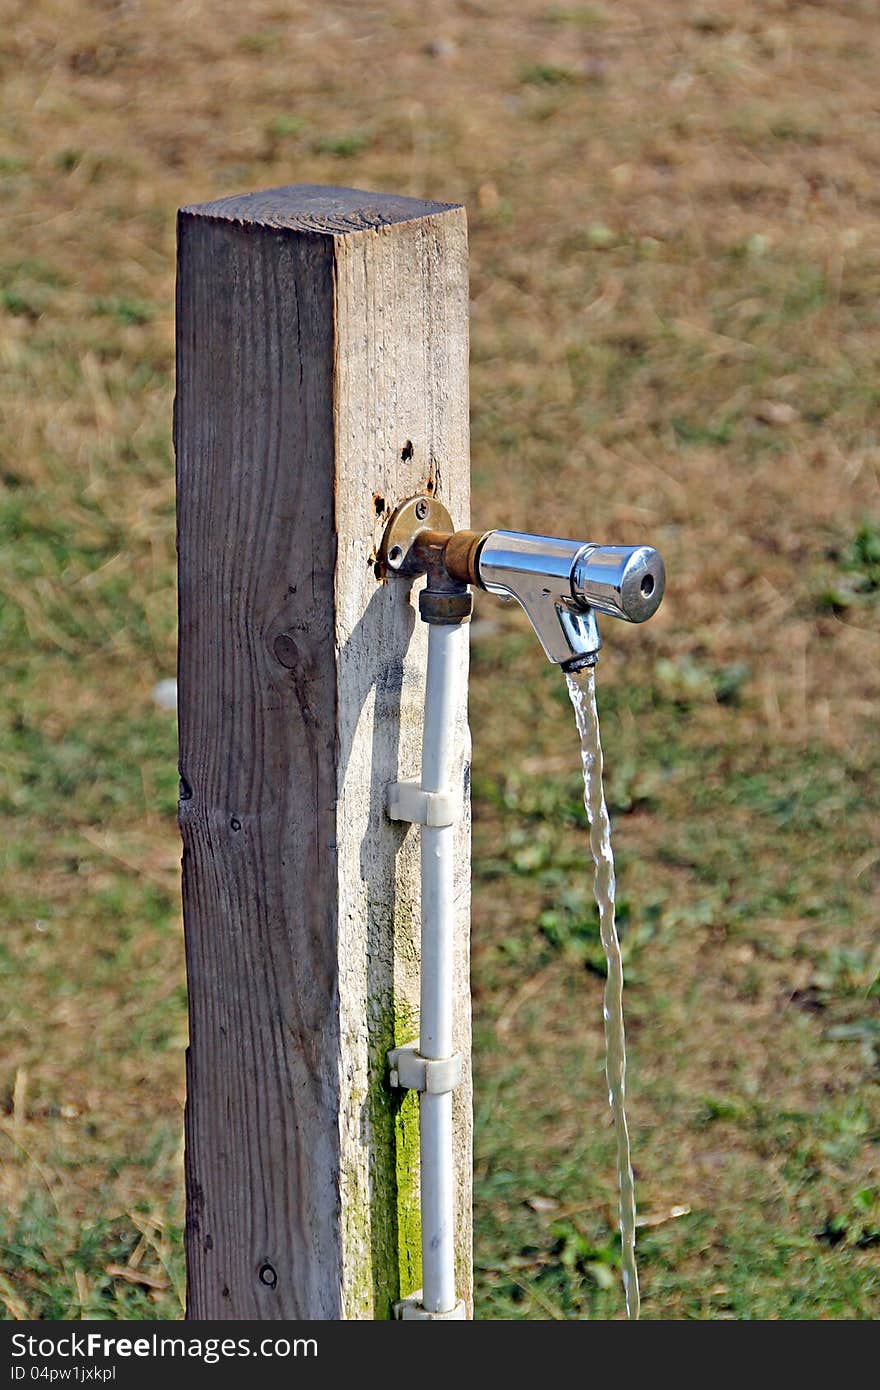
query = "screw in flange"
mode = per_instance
[{"x": 421, "y": 508}]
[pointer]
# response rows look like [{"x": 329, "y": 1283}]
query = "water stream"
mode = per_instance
[{"x": 582, "y": 689}]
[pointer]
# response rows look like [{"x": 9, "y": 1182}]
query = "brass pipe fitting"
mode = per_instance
[{"x": 461, "y": 554}]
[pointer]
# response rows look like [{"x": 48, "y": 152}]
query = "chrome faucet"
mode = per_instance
[{"x": 561, "y": 584}]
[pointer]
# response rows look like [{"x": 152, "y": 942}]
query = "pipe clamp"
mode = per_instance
[
  {"x": 412, "y": 1309},
  {"x": 433, "y": 1076},
  {"x": 407, "y": 801}
]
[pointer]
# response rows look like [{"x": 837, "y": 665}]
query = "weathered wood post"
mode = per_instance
[{"x": 322, "y": 355}]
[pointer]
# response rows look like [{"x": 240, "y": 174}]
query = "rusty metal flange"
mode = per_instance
[{"x": 398, "y": 552}]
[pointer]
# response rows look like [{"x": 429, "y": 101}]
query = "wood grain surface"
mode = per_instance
[{"x": 322, "y": 376}]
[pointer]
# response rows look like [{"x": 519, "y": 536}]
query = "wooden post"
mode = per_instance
[{"x": 321, "y": 378}]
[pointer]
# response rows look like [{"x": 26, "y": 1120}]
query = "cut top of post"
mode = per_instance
[{"x": 310, "y": 207}]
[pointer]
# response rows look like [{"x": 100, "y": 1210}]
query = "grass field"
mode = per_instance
[{"x": 674, "y": 216}]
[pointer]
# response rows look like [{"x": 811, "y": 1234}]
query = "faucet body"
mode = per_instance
[
  {"x": 563, "y": 584},
  {"x": 537, "y": 571}
]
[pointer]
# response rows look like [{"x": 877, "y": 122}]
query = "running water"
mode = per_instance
[{"x": 582, "y": 689}]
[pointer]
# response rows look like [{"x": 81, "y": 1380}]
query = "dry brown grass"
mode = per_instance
[{"x": 675, "y": 271}]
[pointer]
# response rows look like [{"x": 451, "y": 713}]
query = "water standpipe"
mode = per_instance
[{"x": 562, "y": 585}]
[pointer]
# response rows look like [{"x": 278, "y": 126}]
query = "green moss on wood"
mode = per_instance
[
  {"x": 394, "y": 1221},
  {"x": 409, "y": 1230}
]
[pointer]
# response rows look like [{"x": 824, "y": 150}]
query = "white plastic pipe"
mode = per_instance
[{"x": 438, "y": 918}]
